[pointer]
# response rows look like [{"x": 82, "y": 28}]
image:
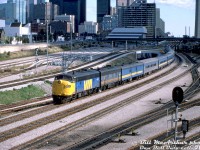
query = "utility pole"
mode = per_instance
[
  {"x": 177, "y": 96},
  {"x": 47, "y": 33},
  {"x": 36, "y": 59},
  {"x": 71, "y": 35},
  {"x": 47, "y": 58}
]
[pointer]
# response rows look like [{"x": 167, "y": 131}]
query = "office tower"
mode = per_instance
[
  {"x": 3, "y": 11},
  {"x": 20, "y": 10},
  {"x": 60, "y": 4},
  {"x": 29, "y": 8},
  {"x": 42, "y": 1},
  {"x": 139, "y": 15},
  {"x": 89, "y": 27},
  {"x": 112, "y": 10},
  {"x": 120, "y": 3},
  {"x": 73, "y": 7},
  {"x": 69, "y": 19},
  {"x": 103, "y": 8},
  {"x": 160, "y": 25},
  {"x": 125, "y": 3},
  {"x": 109, "y": 22},
  {"x": 197, "y": 19},
  {"x": 44, "y": 12}
]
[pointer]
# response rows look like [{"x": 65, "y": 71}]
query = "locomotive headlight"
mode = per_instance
[
  {"x": 67, "y": 86},
  {"x": 59, "y": 82}
]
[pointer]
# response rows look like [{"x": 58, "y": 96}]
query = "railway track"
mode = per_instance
[
  {"x": 35, "y": 125},
  {"x": 164, "y": 138},
  {"x": 106, "y": 137},
  {"x": 126, "y": 127},
  {"x": 108, "y": 110},
  {"x": 48, "y": 100},
  {"x": 44, "y": 77},
  {"x": 43, "y": 121},
  {"x": 21, "y": 106},
  {"x": 19, "y": 66}
]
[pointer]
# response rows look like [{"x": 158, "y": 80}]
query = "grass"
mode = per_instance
[
  {"x": 131, "y": 58},
  {"x": 28, "y": 53},
  {"x": 26, "y": 93}
]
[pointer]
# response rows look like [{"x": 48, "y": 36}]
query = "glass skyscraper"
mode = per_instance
[
  {"x": 103, "y": 8},
  {"x": 73, "y": 7},
  {"x": 136, "y": 15},
  {"x": 20, "y": 10}
]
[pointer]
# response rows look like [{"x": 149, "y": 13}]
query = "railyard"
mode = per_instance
[{"x": 90, "y": 122}]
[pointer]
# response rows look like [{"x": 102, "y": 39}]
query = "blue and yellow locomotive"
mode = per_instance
[{"x": 74, "y": 85}]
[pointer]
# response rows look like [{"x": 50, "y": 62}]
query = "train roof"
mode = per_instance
[
  {"x": 81, "y": 73},
  {"x": 132, "y": 65},
  {"x": 110, "y": 68},
  {"x": 149, "y": 60}
]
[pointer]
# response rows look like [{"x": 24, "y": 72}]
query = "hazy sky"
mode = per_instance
[
  {"x": 177, "y": 14},
  {"x": 3, "y": 1}
]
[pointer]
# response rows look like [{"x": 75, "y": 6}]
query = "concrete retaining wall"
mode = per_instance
[{"x": 14, "y": 48}]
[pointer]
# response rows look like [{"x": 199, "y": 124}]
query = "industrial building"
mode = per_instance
[{"x": 127, "y": 33}]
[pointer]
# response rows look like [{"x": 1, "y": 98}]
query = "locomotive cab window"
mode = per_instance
[{"x": 64, "y": 77}]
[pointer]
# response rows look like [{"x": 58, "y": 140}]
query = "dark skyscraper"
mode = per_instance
[
  {"x": 73, "y": 7},
  {"x": 103, "y": 8},
  {"x": 59, "y": 3}
]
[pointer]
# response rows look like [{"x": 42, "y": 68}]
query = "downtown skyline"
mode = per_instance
[
  {"x": 177, "y": 14},
  {"x": 181, "y": 14}
]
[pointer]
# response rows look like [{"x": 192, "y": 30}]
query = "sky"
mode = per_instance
[{"x": 177, "y": 14}]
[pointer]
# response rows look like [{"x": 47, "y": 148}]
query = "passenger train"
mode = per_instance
[{"x": 75, "y": 84}]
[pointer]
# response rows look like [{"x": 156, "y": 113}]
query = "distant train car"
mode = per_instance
[
  {"x": 110, "y": 76},
  {"x": 162, "y": 60},
  {"x": 132, "y": 71},
  {"x": 170, "y": 57},
  {"x": 150, "y": 65}
]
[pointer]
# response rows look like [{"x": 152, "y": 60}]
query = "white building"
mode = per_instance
[
  {"x": 89, "y": 27},
  {"x": 17, "y": 30},
  {"x": 2, "y": 23}
]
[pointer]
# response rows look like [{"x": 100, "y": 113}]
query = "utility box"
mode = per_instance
[{"x": 185, "y": 125}]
